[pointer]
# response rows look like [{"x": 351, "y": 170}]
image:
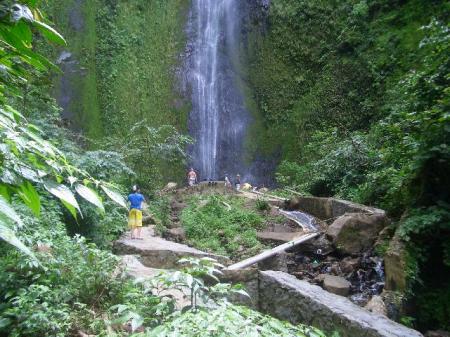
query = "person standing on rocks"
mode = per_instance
[
  {"x": 135, "y": 215},
  {"x": 227, "y": 182},
  {"x": 192, "y": 177},
  {"x": 238, "y": 182}
]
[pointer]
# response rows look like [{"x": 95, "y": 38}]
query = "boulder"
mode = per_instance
[
  {"x": 263, "y": 190},
  {"x": 355, "y": 233},
  {"x": 336, "y": 285},
  {"x": 319, "y": 246},
  {"x": 277, "y": 262},
  {"x": 348, "y": 264},
  {"x": 170, "y": 186},
  {"x": 376, "y": 305},
  {"x": 249, "y": 278},
  {"x": 148, "y": 220},
  {"x": 176, "y": 234},
  {"x": 177, "y": 206}
]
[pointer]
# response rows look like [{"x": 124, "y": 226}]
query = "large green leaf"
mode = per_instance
[
  {"x": 49, "y": 32},
  {"x": 90, "y": 195},
  {"x": 10, "y": 237},
  {"x": 63, "y": 193},
  {"x": 30, "y": 197},
  {"x": 7, "y": 211},
  {"x": 115, "y": 196}
]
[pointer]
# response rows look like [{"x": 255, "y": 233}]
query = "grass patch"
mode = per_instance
[{"x": 211, "y": 226}]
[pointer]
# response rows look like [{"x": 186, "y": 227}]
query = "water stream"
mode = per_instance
[
  {"x": 218, "y": 120},
  {"x": 306, "y": 221}
]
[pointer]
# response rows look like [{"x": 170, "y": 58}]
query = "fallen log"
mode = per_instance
[{"x": 268, "y": 253}]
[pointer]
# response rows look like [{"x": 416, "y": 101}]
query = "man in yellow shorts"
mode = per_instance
[{"x": 135, "y": 216}]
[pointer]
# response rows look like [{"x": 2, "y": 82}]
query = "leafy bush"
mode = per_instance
[
  {"x": 210, "y": 225},
  {"x": 230, "y": 320},
  {"x": 262, "y": 204},
  {"x": 160, "y": 208}
]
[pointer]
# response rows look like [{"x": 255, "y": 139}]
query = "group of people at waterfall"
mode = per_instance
[
  {"x": 136, "y": 200},
  {"x": 192, "y": 180}
]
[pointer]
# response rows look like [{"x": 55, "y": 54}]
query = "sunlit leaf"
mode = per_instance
[
  {"x": 63, "y": 193},
  {"x": 115, "y": 196},
  {"x": 91, "y": 196},
  {"x": 9, "y": 212},
  {"x": 30, "y": 197},
  {"x": 136, "y": 322},
  {"x": 10, "y": 237},
  {"x": 71, "y": 209},
  {"x": 50, "y": 33}
]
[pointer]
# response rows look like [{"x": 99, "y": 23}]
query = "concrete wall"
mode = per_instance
[
  {"x": 285, "y": 297},
  {"x": 327, "y": 208}
]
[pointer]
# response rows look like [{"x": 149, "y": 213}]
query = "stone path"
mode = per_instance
[
  {"x": 156, "y": 252},
  {"x": 144, "y": 259}
]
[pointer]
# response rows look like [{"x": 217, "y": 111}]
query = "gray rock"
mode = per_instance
[
  {"x": 170, "y": 186},
  {"x": 354, "y": 233},
  {"x": 148, "y": 220},
  {"x": 177, "y": 206},
  {"x": 348, "y": 264},
  {"x": 277, "y": 262},
  {"x": 376, "y": 305},
  {"x": 249, "y": 279},
  {"x": 285, "y": 297},
  {"x": 336, "y": 285},
  {"x": 278, "y": 237},
  {"x": 395, "y": 265},
  {"x": 320, "y": 246},
  {"x": 176, "y": 234}
]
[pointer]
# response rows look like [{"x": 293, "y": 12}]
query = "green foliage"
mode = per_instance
[
  {"x": 356, "y": 94},
  {"x": 230, "y": 320},
  {"x": 17, "y": 19},
  {"x": 433, "y": 307},
  {"x": 105, "y": 165},
  {"x": 128, "y": 54},
  {"x": 151, "y": 151},
  {"x": 160, "y": 208},
  {"x": 262, "y": 204},
  {"x": 210, "y": 225}
]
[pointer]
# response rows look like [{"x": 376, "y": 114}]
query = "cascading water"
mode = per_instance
[{"x": 219, "y": 120}]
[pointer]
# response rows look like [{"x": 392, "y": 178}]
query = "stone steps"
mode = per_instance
[{"x": 155, "y": 252}]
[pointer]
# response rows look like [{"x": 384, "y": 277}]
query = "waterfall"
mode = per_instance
[{"x": 219, "y": 119}]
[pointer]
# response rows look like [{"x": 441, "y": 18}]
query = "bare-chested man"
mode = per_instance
[{"x": 192, "y": 177}]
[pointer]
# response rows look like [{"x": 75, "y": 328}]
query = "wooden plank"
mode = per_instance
[{"x": 268, "y": 253}]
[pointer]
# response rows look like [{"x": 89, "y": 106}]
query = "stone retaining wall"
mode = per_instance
[
  {"x": 285, "y": 297},
  {"x": 327, "y": 208}
]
